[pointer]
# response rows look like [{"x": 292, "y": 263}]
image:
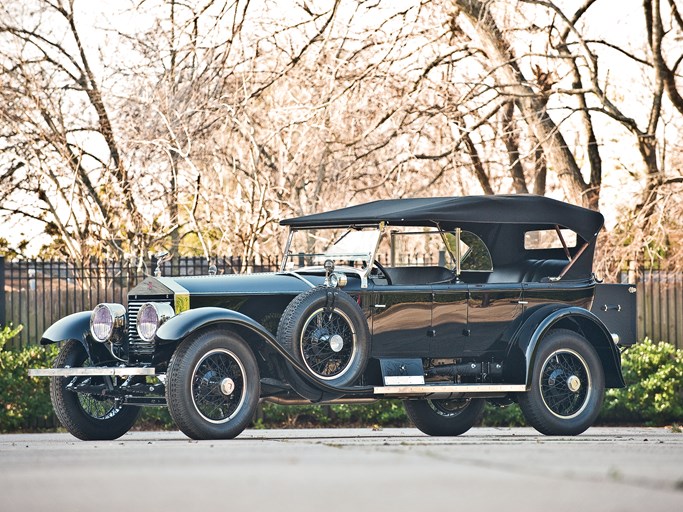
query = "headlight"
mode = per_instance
[
  {"x": 104, "y": 319},
  {"x": 150, "y": 317}
]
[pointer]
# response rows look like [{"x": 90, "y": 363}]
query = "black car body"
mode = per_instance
[{"x": 500, "y": 303}]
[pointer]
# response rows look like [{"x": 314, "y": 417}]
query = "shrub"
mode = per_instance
[
  {"x": 508, "y": 416},
  {"x": 653, "y": 396},
  {"x": 654, "y": 386},
  {"x": 24, "y": 401},
  {"x": 383, "y": 413},
  {"x": 155, "y": 418}
]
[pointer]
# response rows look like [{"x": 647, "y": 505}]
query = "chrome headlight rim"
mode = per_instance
[
  {"x": 150, "y": 317},
  {"x": 107, "y": 322}
]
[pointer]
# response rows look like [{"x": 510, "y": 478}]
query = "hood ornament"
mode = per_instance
[{"x": 162, "y": 258}]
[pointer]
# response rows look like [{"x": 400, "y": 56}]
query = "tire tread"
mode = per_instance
[{"x": 69, "y": 413}]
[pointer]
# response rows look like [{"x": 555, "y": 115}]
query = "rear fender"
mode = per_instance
[
  {"x": 188, "y": 322},
  {"x": 524, "y": 347}
]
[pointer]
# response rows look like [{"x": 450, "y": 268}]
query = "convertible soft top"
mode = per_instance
[{"x": 499, "y": 209}]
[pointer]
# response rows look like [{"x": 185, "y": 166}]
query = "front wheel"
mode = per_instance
[
  {"x": 567, "y": 385},
  {"x": 87, "y": 417},
  {"x": 445, "y": 417},
  {"x": 212, "y": 385}
]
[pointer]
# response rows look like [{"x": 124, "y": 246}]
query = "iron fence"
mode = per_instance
[{"x": 36, "y": 293}]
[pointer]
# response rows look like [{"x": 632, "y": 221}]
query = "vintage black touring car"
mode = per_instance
[{"x": 442, "y": 302}]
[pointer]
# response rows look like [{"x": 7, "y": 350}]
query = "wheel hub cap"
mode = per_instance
[
  {"x": 336, "y": 343},
  {"x": 227, "y": 386},
  {"x": 573, "y": 383}
]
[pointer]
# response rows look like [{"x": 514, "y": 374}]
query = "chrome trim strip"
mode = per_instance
[
  {"x": 73, "y": 372},
  {"x": 301, "y": 278},
  {"x": 449, "y": 388}
]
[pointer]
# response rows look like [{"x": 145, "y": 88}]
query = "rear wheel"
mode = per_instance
[
  {"x": 87, "y": 417},
  {"x": 213, "y": 385},
  {"x": 567, "y": 385},
  {"x": 445, "y": 417}
]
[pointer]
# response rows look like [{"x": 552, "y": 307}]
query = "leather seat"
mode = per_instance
[
  {"x": 419, "y": 275},
  {"x": 529, "y": 271}
]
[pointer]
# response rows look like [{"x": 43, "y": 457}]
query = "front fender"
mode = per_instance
[
  {"x": 187, "y": 322},
  {"x": 76, "y": 327},
  {"x": 71, "y": 327},
  {"x": 182, "y": 325},
  {"x": 523, "y": 349}
]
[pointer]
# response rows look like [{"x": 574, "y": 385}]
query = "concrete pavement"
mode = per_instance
[{"x": 605, "y": 469}]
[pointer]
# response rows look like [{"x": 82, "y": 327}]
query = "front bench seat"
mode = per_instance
[{"x": 419, "y": 275}]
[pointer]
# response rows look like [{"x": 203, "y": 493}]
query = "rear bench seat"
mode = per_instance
[{"x": 529, "y": 271}]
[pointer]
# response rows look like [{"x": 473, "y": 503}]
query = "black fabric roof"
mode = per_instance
[{"x": 501, "y": 209}]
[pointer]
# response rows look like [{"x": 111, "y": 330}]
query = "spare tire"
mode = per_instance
[{"x": 326, "y": 331}]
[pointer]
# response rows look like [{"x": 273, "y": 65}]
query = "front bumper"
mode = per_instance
[{"x": 91, "y": 372}]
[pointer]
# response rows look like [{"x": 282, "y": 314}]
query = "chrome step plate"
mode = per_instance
[{"x": 449, "y": 388}]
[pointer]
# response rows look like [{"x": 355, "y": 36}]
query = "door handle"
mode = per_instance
[{"x": 611, "y": 307}]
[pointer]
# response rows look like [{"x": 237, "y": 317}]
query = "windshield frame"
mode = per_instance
[{"x": 362, "y": 273}]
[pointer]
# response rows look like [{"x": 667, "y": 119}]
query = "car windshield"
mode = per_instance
[{"x": 347, "y": 247}]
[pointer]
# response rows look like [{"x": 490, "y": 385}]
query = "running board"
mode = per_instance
[
  {"x": 90, "y": 372},
  {"x": 449, "y": 389}
]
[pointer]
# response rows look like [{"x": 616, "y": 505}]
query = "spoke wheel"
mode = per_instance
[
  {"x": 328, "y": 343},
  {"x": 98, "y": 407},
  {"x": 445, "y": 417},
  {"x": 448, "y": 408},
  {"x": 213, "y": 385},
  {"x": 87, "y": 417},
  {"x": 567, "y": 385},
  {"x": 326, "y": 331},
  {"x": 218, "y": 390}
]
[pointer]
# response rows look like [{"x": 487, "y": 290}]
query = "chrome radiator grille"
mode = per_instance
[{"x": 136, "y": 345}]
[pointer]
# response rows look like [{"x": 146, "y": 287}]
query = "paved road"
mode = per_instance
[{"x": 604, "y": 469}]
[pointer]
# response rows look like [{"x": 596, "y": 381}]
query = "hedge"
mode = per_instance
[
  {"x": 654, "y": 386},
  {"x": 24, "y": 401},
  {"x": 653, "y": 396}
]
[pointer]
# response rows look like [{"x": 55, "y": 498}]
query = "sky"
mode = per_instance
[{"x": 618, "y": 25}]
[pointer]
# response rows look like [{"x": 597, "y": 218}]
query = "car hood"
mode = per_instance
[{"x": 251, "y": 284}]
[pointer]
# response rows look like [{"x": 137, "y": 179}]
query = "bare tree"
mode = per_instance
[
  {"x": 216, "y": 119},
  {"x": 54, "y": 116}
]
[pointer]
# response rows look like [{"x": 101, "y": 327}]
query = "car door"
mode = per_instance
[
  {"x": 401, "y": 320},
  {"x": 449, "y": 332},
  {"x": 491, "y": 310}
]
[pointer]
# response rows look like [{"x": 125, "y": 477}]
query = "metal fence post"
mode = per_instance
[{"x": 3, "y": 311}]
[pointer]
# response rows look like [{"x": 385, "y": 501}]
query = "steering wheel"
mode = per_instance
[{"x": 381, "y": 268}]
